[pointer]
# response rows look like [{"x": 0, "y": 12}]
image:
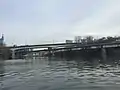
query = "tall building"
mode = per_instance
[{"x": 2, "y": 40}]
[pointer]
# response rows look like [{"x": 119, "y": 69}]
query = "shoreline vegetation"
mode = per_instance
[{"x": 91, "y": 39}]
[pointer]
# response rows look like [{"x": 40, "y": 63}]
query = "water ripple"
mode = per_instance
[{"x": 57, "y": 75}]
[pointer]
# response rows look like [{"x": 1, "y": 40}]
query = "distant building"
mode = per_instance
[
  {"x": 2, "y": 40},
  {"x": 69, "y": 41}
]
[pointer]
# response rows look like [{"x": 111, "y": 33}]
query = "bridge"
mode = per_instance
[{"x": 52, "y": 48}]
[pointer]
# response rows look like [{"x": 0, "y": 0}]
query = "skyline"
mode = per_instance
[{"x": 42, "y": 21}]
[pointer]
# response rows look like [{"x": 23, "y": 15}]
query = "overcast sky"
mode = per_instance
[{"x": 42, "y": 21}]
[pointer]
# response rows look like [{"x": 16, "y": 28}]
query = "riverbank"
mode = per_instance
[{"x": 5, "y": 53}]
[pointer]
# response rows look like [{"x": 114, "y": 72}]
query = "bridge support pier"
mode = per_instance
[
  {"x": 40, "y": 54},
  {"x": 103, "y": 53},
  {"x": 13, "y": 54},
  {"x": 50, "y": 51},
  {"x": 30, "y": 55}
]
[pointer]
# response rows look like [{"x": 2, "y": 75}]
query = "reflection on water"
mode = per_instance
[{"x": 60, "y": 74}]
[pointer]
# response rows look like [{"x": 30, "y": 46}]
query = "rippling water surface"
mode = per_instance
[{"x": 59, "y": 74}]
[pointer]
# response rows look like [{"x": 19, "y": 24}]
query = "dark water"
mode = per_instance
[{"x": 59, "y": 74}]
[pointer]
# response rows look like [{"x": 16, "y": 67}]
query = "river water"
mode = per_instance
[{"x": 59, "y": 74}]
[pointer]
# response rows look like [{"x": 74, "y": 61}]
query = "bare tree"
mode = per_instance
[
  {"x": 78, "y": 39},
  {"x": 89, "y": 39}
]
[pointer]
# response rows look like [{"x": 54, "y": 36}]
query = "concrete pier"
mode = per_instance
[
  {"x": 104, "y": 53},
  {"x": 13, "y": 53}
]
